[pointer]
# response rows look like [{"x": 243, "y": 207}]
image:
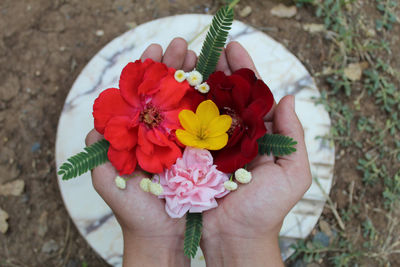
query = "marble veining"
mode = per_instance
[{"x": 283, "y": 73}]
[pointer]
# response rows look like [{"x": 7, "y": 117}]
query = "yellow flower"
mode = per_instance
[{"x": 206, "y": 129}]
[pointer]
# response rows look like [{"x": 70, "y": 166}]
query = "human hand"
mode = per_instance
[
  {"x": 151, "y": 237},
  {"x": 244, "y": 228}
]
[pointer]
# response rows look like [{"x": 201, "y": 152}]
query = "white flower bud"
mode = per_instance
[
  {"x": 156, "y": 189},
  {"x": 120, "y": 182},
  {"x": 145, "y": 184},
  {"x": 230, "y": 185},
  {"x": 195, "y": 78},
  {"x": 180, "y": 76},
  {"x": 203, "y": 88},
  {"x": 243, "y": 176}
]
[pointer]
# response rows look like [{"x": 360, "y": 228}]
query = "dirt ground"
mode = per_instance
[{"x": 44, "y": 44}]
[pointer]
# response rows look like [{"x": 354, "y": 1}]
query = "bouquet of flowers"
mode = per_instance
[{"x": 193, "y": 133}]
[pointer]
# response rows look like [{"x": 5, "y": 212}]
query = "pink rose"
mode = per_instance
[{"x": 192, "y": 183}]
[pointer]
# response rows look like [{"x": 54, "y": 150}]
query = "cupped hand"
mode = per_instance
[
  {"x": 145, "y": 224},
  {"x": 248, "y": 220}
]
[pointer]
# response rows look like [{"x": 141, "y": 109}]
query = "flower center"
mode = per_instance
[
  {"x": 151, "y": 116},
  {"x": 236, "y": 120}
]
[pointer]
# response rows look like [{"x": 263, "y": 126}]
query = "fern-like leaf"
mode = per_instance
[
  {"x": 279, "y": 145},
  {"x": 94, "y": 155},
  {"x": 215, "y": 41},
  {"x": 194, "y": 225}
]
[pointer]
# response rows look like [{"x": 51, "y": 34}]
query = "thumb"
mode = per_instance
[{"x": 287, "y": 123}]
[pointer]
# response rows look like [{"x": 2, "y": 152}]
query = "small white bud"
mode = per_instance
[
  {"x": 243, "y": 176},
  {"x": 195, "y": 78},
  {"x": 230, "y": 185},
  {"x": 156, "y": 189},
  {"x": 120, "y": 182},
  {"x": 180, "y": 76},
  {"x": 145, "y": 184},
  {"x": 203, "y": 88}
]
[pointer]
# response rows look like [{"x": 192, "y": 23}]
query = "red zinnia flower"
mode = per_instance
[
  {"x": 247, "y": 100},
  {"x": 140, "y": 118}
]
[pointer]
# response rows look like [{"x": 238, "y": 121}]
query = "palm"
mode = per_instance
[
  {"x": 260, "y": 205},
  {"x": 133, "y": 207}
]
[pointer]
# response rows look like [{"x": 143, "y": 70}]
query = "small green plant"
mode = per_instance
[
  {"x": 391, "y": 194},
  {"x": 386, "y": 7},
  {"x": 278, "y": 145},
  {"x": 94, "y": 155},
  {"x": 215, "y": 40}
]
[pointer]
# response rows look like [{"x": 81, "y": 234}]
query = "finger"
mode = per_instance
[
  {"x": 287, "y": 123},
  {"x": 102, "y": 176},
  {"x": 92, "y": 137},
  {"x": 175, "y": 54},
  {"x": 238, "y": 58},
  {"x": 153, "y": 51},
  {"x": 222, "y": 64},
  {"x": 190, "y": 61},
  {"x": 270, "y": 115}
]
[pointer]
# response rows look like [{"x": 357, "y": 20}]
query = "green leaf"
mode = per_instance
[
  {"x": 279, "y": 145},
  {"x": 192, "y": 234},
  {"x": 215, "y": 40},
  {"x": 94, "y": 155}
]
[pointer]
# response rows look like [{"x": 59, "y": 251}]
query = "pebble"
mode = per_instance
[
  {"x": 50, "y": 246},
  {"x": 3, "y": 221},
  {"x": 245, "y": 12},
  {"x": 322, "y": 238},
  {"x": 99, "y": 33},
  {"x": 14, "y": 188},
  {"x": 35, "y": 147},
  {"x": 283, "y": 11},
  {"x": 42, "y": 228}
]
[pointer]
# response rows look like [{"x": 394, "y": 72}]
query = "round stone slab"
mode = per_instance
[{"x": 283, "y": 73}]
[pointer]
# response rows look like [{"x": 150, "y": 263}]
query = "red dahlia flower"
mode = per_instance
[
  {"x": 247, "y": 100},
  {"x": 139, "y": 119}
]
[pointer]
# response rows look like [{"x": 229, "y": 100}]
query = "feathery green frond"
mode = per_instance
[
  {"x": 215, "y": 41},
  {"x": 192, "y": 234},
  {"x": 279, "y": 145},
  {"x": 94, "y": 155}
]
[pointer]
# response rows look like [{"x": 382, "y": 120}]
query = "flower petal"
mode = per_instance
[
  {"x": 261, "y": 91},
  {"x": 187, "y": 138},
  {"x": 219, "y": 125},
  {"x": 215, "y": 143},
  {"x": 109, "y": 104},
  {"x": 151, "y": 78},
  {"x": 124, "y": 161},
  {"x": 249, "y": 147},
  {"x": 131, "y": 78},
  {"x": 170, "y": 92},
  {"x": 241, "y": 92},
  {"x": 119, "y": 133},
  {"x": 207, "y": 111},
  {"x": 230, "y": 159},
  {"x": 162, "y": 157},
  {"x": 145, "y": 145},
  {"x": 189, "y": 121}
]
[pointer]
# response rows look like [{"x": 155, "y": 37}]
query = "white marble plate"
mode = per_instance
[{"x": 282, "y": 71}]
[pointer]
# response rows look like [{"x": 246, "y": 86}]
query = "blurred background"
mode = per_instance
[{"x": 350, "y": 47}]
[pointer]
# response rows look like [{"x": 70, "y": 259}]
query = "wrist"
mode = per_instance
[
  {"x": 153, "y": 251},
  {"x": 240, "y": 251}
]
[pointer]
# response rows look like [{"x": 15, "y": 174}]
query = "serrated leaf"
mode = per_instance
[
  {"x": 279, "y": 145},
  {"x": 194, "y": 225},
  {"x": 94, "y": 155}
]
